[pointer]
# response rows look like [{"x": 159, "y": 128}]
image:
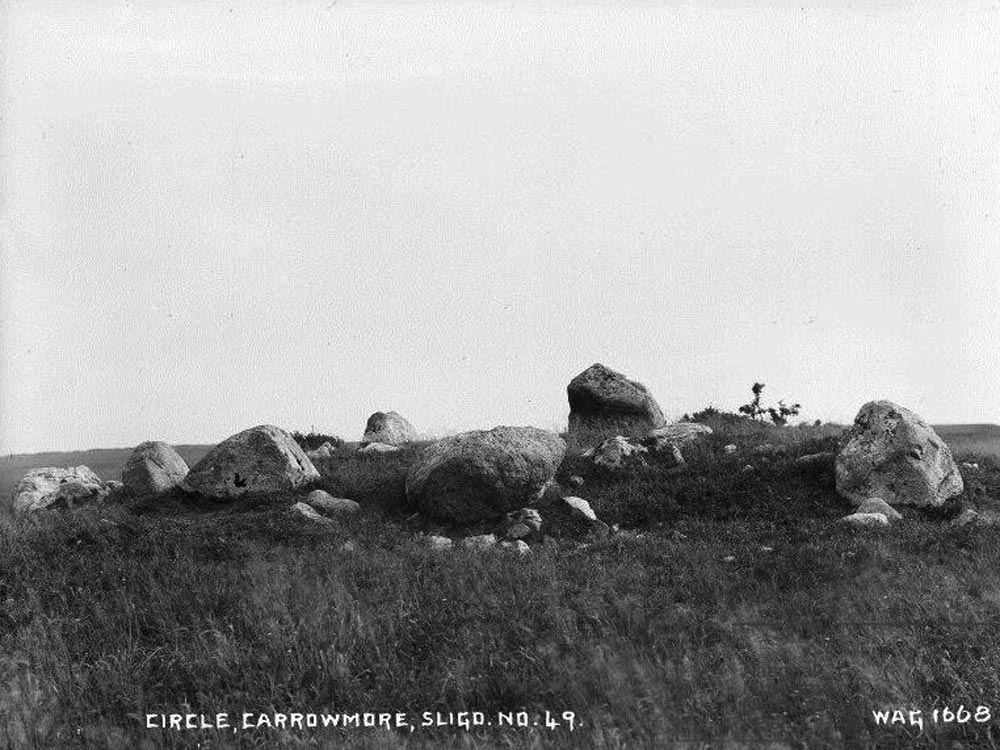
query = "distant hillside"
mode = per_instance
[{"x": 982, "y": 439}]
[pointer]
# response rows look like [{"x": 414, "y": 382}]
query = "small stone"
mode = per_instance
[
  {"x": 575, "y": 480},
  {"x": 729, "y": 559},
  {"x": 518, "y": 531},
  {"x": 967, "y": 516},
  {"x": 440, "y": 542},
  {"x": 527, "y": 516},
  {"x": 866, "y": 519},
  {"x": 731, "y": 448},
  {"x": 747, "y": 469},
  {"x": 349, "y": 546},
  {"x": 322, "y": 500},
  {"x": 308, "y": 512},
  {"x": 878, "y": 505},
  {"x": 767, "y": 549},
  {"x": 481, "y": 542},
  {"x": 969, "y": 465},
  {"x": 580, "y": 508}
]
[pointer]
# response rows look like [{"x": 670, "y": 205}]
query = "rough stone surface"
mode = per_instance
[
  {"x": 528, "y": 517},
  {"x": 306, "y": 511},
  {"x": 892, "y": 453},
  {"x": 153, "y": 468},
  {"x": 378, "y": 448},
  {"x": 483, "y": 474},
  {"x": 575, "y": 480},
  {"x": 731, "y": 448},
  {"x": 51, "y": 487},
  {"x": 600, "y": 397},
  {"x": 878, "y": 505},
  {"x": 258, "y": 460},
  {"x": 866, "y": 519},
  {"x": 324, "y": 501},
  {"x": 618, "y": 452},
  {"x": 519, "y": 547},
  {"x": 388, "y": 427}
]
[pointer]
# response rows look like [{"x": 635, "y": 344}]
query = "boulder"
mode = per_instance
[
  {"x": 878, "y": 505},
  {"x": 378, "y": 448},
  {"x": 483, "y": 474},
  {"x": 601, "y": 398},
  {"x": 256, "y": 461},
  {"x": 51, "y": 487},
  {"x": 324, "y": 501},
  {"x": 521, "y": 548},
  {"x": 388, "y": 427},
  {"x": 866, "y": 519},
  {"x": 892, "y": 453},
  {"x": 153, "y": 468},
  {"x": 618, "y": 452}
]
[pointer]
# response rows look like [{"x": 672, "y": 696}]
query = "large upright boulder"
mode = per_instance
[
  {"x": 483, "y": 474},
  {"x": 50, "y": 487},
  {"x": 892, "y": 453},
  {"x": 259, "y": 460},
  {"x": 389, "y": 428},
  {"x": 153, "y": 468},
  {"x": 599, "y": 397}
]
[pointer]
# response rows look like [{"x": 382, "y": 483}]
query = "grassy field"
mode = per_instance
[{"x": 736, "y": 614}]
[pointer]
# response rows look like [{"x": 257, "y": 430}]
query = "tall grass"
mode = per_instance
[{"x": 761, "y": 620}]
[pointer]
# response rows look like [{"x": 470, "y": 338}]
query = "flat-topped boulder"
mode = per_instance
[
  {"x": 153, "y": 468},
  {"x": 893, "y": 454},
  {"x": 388, "y": 428},
  {"x": 679, "y": 433},
  {"x": 259, "y": 460},
  {"x": 600, "y": 397},
  {"x": 52, "y": 487},
  {"x": 483, "y": 474}
]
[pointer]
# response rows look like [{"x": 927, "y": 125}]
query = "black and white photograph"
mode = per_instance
[{"x": 533, "y": 374}]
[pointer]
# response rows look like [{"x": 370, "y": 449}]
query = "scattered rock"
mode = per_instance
[
  {"x": 678, "y": 536},
  {"x": 349, "y": 546},
  {"x": 518, "y": 531},
  {"x": 892, "y": 453},
  {"x": 878, "y": 505},
  {"x": 765, "y": 449},
  {"x": 580, "y": 508},
  {"x": 480, "y": 475},
  {"x": 527, "y": 516},
  {"x": 378, "y": 448},
  {"x": 388, "y": 428},
  {"x": 322, "y": 500},
  {"x": 153, "y": 468},
  {"x": 966, "y": 517},
  {"x": 519, "y": 547},
  {"x": 323, "y": 452},
  {"x": 679, "y": 433},
  {"x": 969, "y": 465},
  {"x": 479, "y": 543},
  {"x": 731, "y": 448},
  {"x": 767, "y": 549},
  {"x": 307, "y": 512},
  {"x": 575, "y": 480},
  {"x": 618, "y": 452},
  {"x": 440, "y": 542},
  {"x": 51, "y": 487},
  {"x": 747, "y": 468},
  {"x": 866, "y": 519},
  {"x": 729, "y": 559},
  {"x": 256, "y": 461},
  {"x": 599, "y": 397}
]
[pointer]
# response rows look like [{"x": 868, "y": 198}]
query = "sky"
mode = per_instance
[{"x": 221, "y": 214}]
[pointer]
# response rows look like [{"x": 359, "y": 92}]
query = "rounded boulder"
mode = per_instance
[{"x": 483, "y": 474}]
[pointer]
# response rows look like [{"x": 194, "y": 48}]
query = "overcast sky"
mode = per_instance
[{"x": 216, "y": 215}]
